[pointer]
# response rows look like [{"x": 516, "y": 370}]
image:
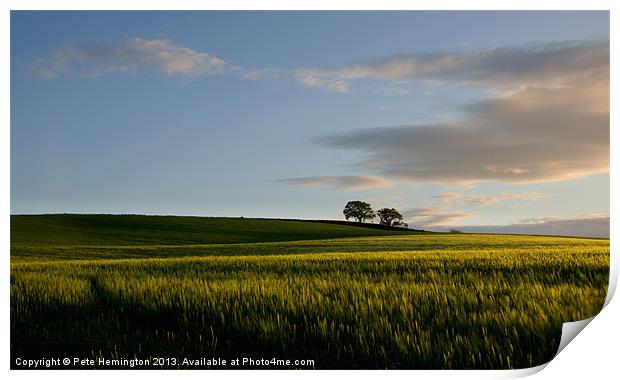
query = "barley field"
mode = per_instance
[{"x": 341, "y": 295}]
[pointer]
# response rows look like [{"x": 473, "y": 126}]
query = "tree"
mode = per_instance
[
  {"x": 390, "y": 217},
  {"x": 358, "y": 210}
]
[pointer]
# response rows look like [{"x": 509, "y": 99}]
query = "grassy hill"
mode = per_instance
[{"x": 124, "y": 230}]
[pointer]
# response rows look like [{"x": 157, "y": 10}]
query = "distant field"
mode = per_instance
[{"x": 344, "y": 296}]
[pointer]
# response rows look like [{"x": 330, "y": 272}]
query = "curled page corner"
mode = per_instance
[
  {"x": 613, "y": 281},
  {"x": 524, "y": 372},
  {"x": 570, "y": 331}
]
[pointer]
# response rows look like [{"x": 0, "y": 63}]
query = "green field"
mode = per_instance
[{"x": 344, "y": 296}]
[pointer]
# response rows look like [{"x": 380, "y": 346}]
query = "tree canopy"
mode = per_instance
[
  {"x": 390, "y": 217},
  {"x": 358, "y": 210}
]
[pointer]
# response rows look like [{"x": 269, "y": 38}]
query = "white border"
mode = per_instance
[
  {"x": 594, "y": 352},
  {"x": 313, "y": 5}
]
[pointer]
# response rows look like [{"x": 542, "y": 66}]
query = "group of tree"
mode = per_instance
[{"x": 362, "y": 211}]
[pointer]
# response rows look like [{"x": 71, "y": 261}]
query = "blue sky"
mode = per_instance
[{"x": 455, "y": 118}]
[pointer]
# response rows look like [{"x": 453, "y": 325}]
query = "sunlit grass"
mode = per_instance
[{"x": 418, "y": 301}]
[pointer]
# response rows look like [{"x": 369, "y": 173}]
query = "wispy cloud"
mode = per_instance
[
  {"x": 429, "y": 216},
  {"x": 319, "y": 79},
  {"x": 481, "y": 200},
  {"x": 553, "y": 125},
  {"x": 549, "y": 65},
  {"x": 343, "y": 182},
  {"x": 268, "y": 72},
  {"x": 583, "y": 225},
  {"x": 136, "y": 54},
  {"x": 551, "y": 219},
  {"x": 387, "y": 199}
]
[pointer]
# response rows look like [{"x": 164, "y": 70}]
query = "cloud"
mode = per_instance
[
  {"x": 429, "y": 216},
  {"x": 268, "y": 72},
  {"x": 96, "y": 59},
  {"x": 586, "y": 226},
  {"x": 343, "y": 182},
  {"x": 319, "y": 79},
  {"x": 554, "y": 125},
  {"x": 479, "y": 200},
  {"x": 389, "y": 199},
  {"x": 550, "y": 65}
]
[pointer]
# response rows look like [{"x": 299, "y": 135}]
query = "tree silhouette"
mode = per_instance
[
  {"x": 390, "y": 217},
  {"x": 358, "y": 210}
]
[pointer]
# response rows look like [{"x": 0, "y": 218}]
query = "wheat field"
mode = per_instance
[{"x": 395, "y": 300}]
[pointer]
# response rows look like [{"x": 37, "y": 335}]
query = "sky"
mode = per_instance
[{"x": 481, "y": 121}]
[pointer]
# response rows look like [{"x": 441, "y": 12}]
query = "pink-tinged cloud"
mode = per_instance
[
  {"x": 552, "y": 124},
  {"x": 585, "y": 226},
  {"x": 547, "y": 65},
  {"x": 342, "y": 182},
  {"x": 315, "y": 78},
  {"x": 131, "y": 56},
  {"x": 429, "y": 216},
  {"x": 481, "y": 200}
]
